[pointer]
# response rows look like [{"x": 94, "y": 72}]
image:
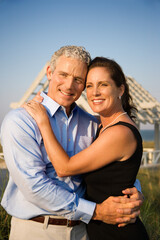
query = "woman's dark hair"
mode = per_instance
[{"x": 119, "y": 78}]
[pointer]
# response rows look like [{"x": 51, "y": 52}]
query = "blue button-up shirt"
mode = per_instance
[{"x": 34, "y": 188}]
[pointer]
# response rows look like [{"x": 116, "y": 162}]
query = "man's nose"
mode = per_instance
[{"x": 69, "y": 82}]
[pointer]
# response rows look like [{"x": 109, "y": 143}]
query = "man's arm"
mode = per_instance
[
  {"x": 27, "y": 168},
  {"x": 21, "y": 147}
]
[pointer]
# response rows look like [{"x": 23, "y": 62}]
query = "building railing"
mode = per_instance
[
  {"x": 150, "y": 157},
  {"x": 2, "y": 156}
]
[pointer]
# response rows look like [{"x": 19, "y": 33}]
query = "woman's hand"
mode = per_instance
[
  {"x": 37, "y": 111},
  {"x": 38, "y": 98}
]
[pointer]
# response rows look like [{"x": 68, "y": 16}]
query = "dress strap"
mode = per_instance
[{"x": 130, "y": 126}]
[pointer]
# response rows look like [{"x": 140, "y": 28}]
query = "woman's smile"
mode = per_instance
[{"x": 102, "y": 93}]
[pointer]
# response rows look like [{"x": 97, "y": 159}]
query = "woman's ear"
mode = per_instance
[{"x": 122, "y": 89}]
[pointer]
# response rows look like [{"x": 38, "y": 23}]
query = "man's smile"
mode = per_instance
[{"x": 65, "y": 93}]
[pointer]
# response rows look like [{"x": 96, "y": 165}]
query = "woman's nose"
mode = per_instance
[{"x": 96, "y": 91}]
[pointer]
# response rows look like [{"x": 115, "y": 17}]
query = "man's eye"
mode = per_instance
[
  {"x": 78, "y": 80},
  {"x": 63, "y": 74}
]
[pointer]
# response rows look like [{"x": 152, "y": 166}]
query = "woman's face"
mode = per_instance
[{"x": 102, "y": 93}]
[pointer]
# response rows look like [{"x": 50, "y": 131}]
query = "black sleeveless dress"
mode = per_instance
[{"x": 110, "y": 180}]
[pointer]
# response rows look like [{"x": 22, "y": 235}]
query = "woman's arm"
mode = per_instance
[{"x": 98, "y": 154}]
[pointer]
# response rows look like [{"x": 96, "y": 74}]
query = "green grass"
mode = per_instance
[
  {"x": 4, "y": 217},
  {"x": 149, "y": 144},
  {"x": 150, "y": 211},
  {"x": 0, "y": 148}
]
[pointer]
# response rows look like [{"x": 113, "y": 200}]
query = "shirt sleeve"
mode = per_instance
[
  {"x": 137, "y": 184},
  {"x": 20, "y": 140}
]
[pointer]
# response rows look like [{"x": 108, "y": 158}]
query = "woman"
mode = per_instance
[{"x": 112, "y": 161}]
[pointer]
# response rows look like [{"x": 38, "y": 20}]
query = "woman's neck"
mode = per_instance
[{"x": 112, "y": 118}]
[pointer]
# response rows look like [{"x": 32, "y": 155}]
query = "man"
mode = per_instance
[{"x": 43, "y": 205}]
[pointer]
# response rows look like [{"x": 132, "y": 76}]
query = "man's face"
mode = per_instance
[{"x": 67, "y": 81}]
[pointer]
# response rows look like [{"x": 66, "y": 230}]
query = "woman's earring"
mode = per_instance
[{"x": 119, "y": 97}]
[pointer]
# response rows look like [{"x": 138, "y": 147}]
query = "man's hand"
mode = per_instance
[
  {"x": 120, "y": 210},
  {"x": 133, "y": 194}
]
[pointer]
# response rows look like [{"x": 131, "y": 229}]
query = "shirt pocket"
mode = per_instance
[{"x": 83, "y": 142}]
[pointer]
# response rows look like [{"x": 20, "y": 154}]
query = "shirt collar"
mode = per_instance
[
  {"x": 53, "y": 106},
  {"x": 49, "y": 104}
]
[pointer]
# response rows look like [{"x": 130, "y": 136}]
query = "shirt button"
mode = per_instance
[
  {"x": 69, "y": 139},
  {"x": 81, "y": 218}
]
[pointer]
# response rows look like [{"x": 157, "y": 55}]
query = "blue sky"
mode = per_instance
[{"x": 127, "y": 31}]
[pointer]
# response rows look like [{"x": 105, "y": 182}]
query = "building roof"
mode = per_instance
[{"x": 148, "y": 107}]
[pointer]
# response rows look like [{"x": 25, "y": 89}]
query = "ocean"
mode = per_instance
[{"x": 147, "y": 135}]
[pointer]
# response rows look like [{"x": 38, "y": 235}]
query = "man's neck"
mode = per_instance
[{"x": 68, "y": 110}]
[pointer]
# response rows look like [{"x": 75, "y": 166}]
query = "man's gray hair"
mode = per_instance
[{"x": 79, "y": 53}]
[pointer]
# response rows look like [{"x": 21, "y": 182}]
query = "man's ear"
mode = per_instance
[{"x": 49, "y": 73}]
